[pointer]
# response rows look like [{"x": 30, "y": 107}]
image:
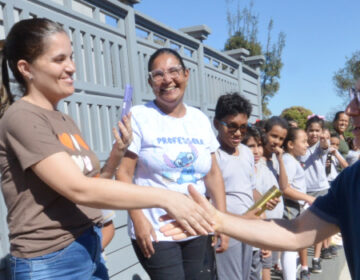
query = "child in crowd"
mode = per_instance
[
  {"x": 334, "y": 160},
  {"x": 267, "y": 171},
  {"x": 254, "y": 139},
  {"x": 237, "y": 165},
  {"x": 294, "y": 188},
  {"x": 354, "y": 152},
  {"x": 315, "y": 176}
]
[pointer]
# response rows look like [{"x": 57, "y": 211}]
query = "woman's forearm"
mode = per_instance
[{"x": 291, "y": 235}]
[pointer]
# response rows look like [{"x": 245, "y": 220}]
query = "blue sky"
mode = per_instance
[{"x": 320, "y": 34}]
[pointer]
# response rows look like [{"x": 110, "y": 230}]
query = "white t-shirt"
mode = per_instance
[
  {"x": 335, "y": 165},
  {"x": 313, "y": 163},
  {"x": 172, "y": 153},
  {"x": 266, "y": 178},
  {"x": 239, "y": 178},
  {"x": 295, "y": 173},
  {"x": 352, "y": 156}
]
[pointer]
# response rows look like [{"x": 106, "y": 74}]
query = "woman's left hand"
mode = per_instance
[
  {"x": 122, "y": 141},
  {"x": 123, "y": 138}
]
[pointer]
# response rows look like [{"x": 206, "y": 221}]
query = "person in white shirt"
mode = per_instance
[
  {"x": 314, "y": 165},
  {"x": 173, "y": 146},
  {"x": 294, "y": 189}
]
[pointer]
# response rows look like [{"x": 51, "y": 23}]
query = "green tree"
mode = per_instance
[
  {"x": 345, "y": 77},
  {"x": 243, "y": 33},
  {"x": 298, "y": 114}
]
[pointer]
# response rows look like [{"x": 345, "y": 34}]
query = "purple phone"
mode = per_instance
[{"x": 127, "y": 101}]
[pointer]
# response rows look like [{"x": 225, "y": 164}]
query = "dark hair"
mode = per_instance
[
  {"x": 232, "y": 104},
  {"x": 6, "y": 98},
  {"x": 350, "y": 143},
  {"x": 337, "y": 115},
  {"x": 273, "y": 121},
  {"x": 254, "y": 132},
  {"x": 164, "y": 51},
  {"x": 315, "y": 119},
  {"x": 291, "y": 136},
  {"x": 26, "y": 40},
  {"x": 334, "y": 135},
  {"x": 260, "y": 124}
]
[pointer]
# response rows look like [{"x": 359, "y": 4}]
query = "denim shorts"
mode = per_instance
[{"x": 80, "y": 260}]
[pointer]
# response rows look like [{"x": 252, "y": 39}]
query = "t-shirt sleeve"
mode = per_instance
[
  {"x": 290, "y": 169},
  {"x": 326, "y": 207},
  {"x": 135, "y": 145},
  {"x": 213, "y": 142},
  {"x": 108, "y": 215},
  {"x": 31, "y": 138}
]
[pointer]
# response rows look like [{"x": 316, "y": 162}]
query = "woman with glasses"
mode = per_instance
[
  {"x": 173, "y": 146},
  {"x": 50, "y": 179}
]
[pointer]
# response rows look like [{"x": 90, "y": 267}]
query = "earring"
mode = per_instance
[{"x": 30, "y": 78}]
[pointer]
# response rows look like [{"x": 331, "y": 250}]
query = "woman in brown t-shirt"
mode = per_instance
[{"x": 51, "y": 180}]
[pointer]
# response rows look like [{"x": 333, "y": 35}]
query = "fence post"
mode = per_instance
[
  {"x": 131, "y": 46},
  {"x": 201, "y": 77}
]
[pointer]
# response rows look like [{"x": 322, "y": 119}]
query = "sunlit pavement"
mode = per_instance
[{"x": 333, "y": 269}]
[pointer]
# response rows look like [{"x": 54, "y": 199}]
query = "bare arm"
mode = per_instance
[
  {"x": 294, "y": 194},
  {"x": 108, "y": 232},
  {"x": 215, "y": 185},
  {"x": 286, "y": 188},
  {"x": 61, "y": 173},
  {"x": 343, "y": 163},
  {"x": 290, "y": 235},
  {"x": 144, "y": 231},
  {"x": 125, "y": 173}
]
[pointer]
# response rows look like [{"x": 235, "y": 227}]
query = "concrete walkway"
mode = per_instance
[{"x": 333, "y": 269}]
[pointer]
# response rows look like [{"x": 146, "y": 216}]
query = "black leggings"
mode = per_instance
[{"x": 174, "y": 260}]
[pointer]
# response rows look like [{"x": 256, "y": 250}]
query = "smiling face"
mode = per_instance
[
  {"x": 275, "y": 138},
  {"x": 299, "y": 146},
  {"x": 50, "y": 74},
  {"x": 335, "y": 142},
  {"x": 313, "y": 133},
  {"x": 231, "y": 130},
  {"x": 169, "y": 92},
  {"x": 342, "y": 123}
]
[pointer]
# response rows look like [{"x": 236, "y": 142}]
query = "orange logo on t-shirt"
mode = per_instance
[
  {"x": 65, "y": 139},
  {"x": 75, "y": 142}
]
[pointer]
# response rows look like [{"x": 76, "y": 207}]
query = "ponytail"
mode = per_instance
[{"x": 6, "y": 98}]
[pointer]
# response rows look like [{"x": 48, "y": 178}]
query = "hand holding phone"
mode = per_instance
[{"x": 127, "y": 101}]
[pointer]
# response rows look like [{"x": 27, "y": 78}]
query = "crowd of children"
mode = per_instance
[
  {"x": 255, "y": 157},
  {"x": 240, "y": 166}
]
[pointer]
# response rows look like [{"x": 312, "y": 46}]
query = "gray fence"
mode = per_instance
[{"x": 112, "y": 43}]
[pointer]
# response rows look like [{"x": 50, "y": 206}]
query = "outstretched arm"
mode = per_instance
[
  {"x": 215, "y": 185},
  {"x": 291, "y": 235},
  {"x": 62, "y": 174}
]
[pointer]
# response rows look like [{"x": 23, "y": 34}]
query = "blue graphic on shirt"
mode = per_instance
[{"x": 183, "y": 161}]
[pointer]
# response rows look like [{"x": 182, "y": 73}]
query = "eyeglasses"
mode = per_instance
[
  {"x": 158, "y": 75},
  {"x": 233, "y": 128}
]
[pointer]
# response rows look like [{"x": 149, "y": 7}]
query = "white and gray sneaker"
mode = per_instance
[{"x": 304, "y": 274}]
